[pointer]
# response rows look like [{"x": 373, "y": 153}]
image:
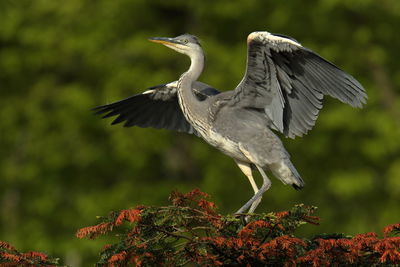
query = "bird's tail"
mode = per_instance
[{"x": 287, "y": 173}]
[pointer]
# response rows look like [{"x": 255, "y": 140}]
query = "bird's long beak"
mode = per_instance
[{"x": 164, "y": 40}]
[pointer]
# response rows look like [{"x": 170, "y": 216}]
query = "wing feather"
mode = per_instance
[
  {"x": 158, "y": 107},
  {"x": 289, "y": 81}
]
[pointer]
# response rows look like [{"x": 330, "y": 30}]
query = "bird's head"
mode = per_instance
[{"x": 186, "y": 43}]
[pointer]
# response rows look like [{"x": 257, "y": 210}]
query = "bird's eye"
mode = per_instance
[{"x": 185, "y": 41}]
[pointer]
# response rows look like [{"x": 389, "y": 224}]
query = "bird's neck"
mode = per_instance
[
  {"x": 195, "y": 111},
  {"x": 196, "y": 66}
]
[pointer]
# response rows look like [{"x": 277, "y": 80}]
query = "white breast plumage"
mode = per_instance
[{"x": 223, "y": 143}]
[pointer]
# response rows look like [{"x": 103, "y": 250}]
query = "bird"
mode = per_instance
[{"x": 281, "y": 93}]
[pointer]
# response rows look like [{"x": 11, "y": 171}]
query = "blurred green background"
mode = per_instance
[{"x": 60, "y": 166}]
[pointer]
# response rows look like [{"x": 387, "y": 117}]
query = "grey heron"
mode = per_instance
[{"x": 281, "y": 91}]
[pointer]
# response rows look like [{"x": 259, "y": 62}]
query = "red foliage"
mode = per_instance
[
  {"x": 5, "y": 245},
  {"x": 248, "y": 230},
  {"x": 390, "y": 229},
  {"x": 363, "y": 248},
  {"x": 191, "y": 230},
  {"x": 33, "y": 254},
  {"x": 117, "y": 257},
  {"x": 282, "y": 214},
  {"x": 193, "y": 198},
  {"x": 94, "y": 231},
  {"x": 179, "y": 199},
  {"x": 106, "y": 246},
  {"x": 9, "y": 256},
  {"x": 129, "y": 215}
]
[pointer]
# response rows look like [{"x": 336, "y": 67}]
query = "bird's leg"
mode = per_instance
[
  {"x": 264, "y": 187},
  {"x": 246, "y": 169}
]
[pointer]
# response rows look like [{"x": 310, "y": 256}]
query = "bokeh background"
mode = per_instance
[{"x": 60, "y": 166}]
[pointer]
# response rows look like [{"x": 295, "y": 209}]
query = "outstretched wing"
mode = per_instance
[
  {"x": 157, "y": 107},
  {"x": 289, "y": 81}
]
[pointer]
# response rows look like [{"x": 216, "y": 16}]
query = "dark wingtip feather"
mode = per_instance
[
  {"x": 105, "y": 111},
  {"x": 297, "y": 187},
  {"x": 97, "y": 108},
  {"x": 110, "y": 114},
  {"x": 119, "y": 119}
]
